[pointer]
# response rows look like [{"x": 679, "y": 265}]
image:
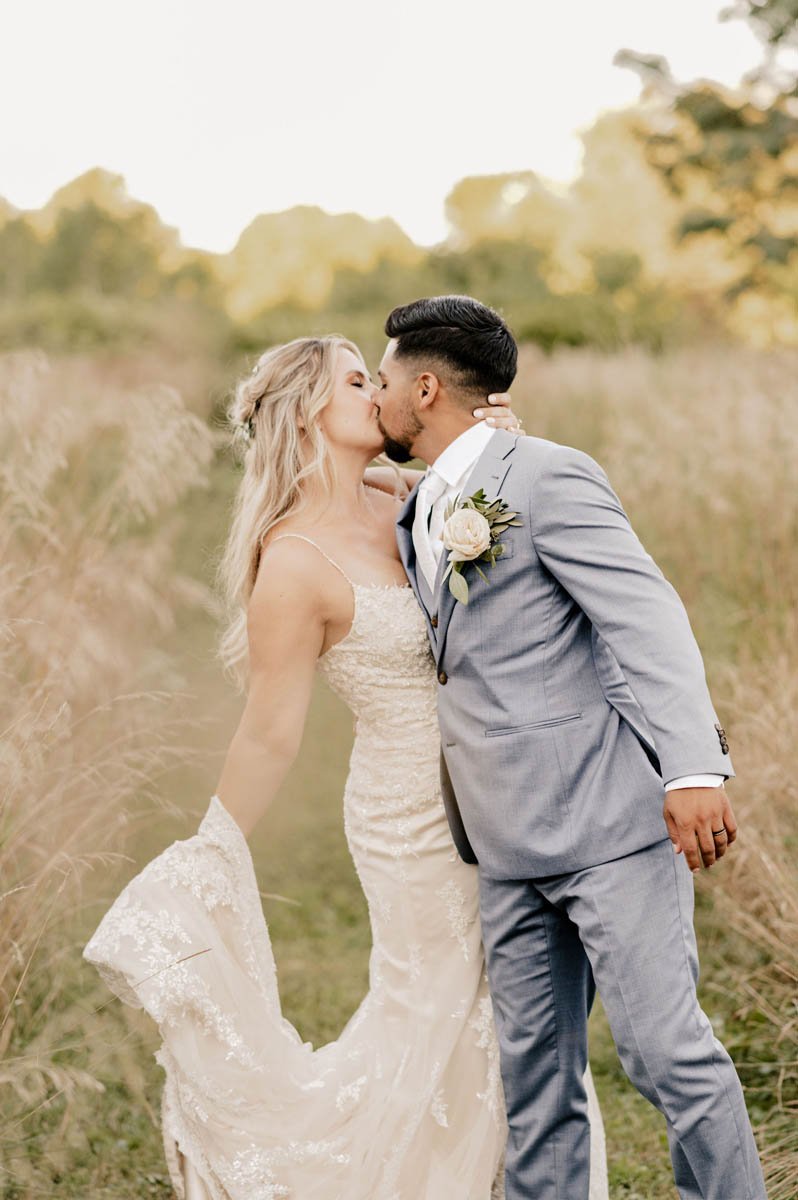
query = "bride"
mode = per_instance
[{"x": 406, "y": 1104}]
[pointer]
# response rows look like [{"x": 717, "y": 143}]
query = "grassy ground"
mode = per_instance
[{"x": 702, "y": 450}]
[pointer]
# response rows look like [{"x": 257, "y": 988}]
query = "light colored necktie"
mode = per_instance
[
  {"x": 435, "y": 526},
  {"x": 430, "y": 489}
]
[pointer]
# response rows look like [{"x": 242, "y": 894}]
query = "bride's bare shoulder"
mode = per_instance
[
  {"x": 288, "y": 609},
  {"x": 288, "y": 574}
]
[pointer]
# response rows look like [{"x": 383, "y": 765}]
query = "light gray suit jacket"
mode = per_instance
[{"x": 571, "y": 687}]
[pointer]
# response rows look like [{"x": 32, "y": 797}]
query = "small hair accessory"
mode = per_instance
[
  {"x": 245, "y": 430},
  {"x": 248, "y": 426}
]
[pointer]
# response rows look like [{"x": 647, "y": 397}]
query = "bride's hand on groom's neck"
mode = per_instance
[{"x": 500, "y": 414}]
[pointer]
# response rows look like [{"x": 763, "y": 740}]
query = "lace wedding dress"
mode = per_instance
[{"x": 407, "y": 1103}]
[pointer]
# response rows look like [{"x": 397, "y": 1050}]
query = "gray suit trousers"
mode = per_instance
[{"x": 628, "y": 924}]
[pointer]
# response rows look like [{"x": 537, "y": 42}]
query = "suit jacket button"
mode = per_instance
[
  {"x": 442, "y": 677},
  {"x": 433, "y": 622}
]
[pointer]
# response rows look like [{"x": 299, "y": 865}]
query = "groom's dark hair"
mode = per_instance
[{"x": 467, "y": 337}]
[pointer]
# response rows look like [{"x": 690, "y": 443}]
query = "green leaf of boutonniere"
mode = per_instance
[{"x": 458, "y": 587}]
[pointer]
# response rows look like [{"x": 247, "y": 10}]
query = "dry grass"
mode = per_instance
[
  {"x": 89, "y": 486},
  {"x": 702, "y": 447},
  {"x": 759, "y": 901}
]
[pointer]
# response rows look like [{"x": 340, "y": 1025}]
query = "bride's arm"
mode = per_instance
[
  {"x": 397, "y": 481},
  {"x": 286, "y": 630}
]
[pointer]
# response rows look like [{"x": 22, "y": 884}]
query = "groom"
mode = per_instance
[{"x": 572, "y": 704}]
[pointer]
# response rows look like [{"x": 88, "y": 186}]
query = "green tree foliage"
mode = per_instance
[
  {"x": 616, "y": 269},
  {"x": 20, "y": 254},
  {"x": 95, "y": 251},
  {"x": 775, "y": 22},
  {"x": 516, "y": 206},
  {"x": 94, "y": 268},
  {"x": 732, "y": 157},
  {"x": 292, "y": 257},
  {"x": 617, "y": 307}
]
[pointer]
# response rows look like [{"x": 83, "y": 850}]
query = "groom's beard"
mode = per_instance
[
  {"x": 396, "y": 451},
  {"x": 399, "y": 450}
]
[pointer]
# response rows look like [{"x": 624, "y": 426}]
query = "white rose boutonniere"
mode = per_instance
[{"x": 471, "y": 532}]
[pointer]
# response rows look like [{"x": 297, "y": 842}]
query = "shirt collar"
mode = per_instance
[{"x": 461, "y": 454}]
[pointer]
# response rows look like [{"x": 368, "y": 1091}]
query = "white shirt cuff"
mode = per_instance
[{"x": 691, "y": 781}]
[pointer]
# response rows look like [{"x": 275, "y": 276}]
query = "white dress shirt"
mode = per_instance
[{"x": 442, "y": 482}]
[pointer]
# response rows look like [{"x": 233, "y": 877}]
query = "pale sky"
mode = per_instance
[{"x": 215, "y": 112}]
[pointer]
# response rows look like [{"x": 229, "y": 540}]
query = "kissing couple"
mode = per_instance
[{"x": 537, "y": 773}]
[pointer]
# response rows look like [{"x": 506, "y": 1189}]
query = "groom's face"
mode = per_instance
[{"x": 398, "y": 419}]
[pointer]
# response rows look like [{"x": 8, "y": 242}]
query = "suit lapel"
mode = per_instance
[{"x": 489, "y": 473}]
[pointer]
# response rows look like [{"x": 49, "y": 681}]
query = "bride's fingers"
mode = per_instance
[{"x": 500, "y": 413}]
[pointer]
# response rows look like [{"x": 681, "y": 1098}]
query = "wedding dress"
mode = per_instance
[{"x": 407, "y": 1103}]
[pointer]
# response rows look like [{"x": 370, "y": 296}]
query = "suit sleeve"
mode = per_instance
[{"x": 584, "y": 538}]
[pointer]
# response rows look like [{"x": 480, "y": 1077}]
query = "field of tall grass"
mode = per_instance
[{"x": 114, "y": 498}]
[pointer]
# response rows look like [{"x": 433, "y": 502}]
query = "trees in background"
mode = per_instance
[
  {"x": 683, "y": 220},
  {"x": 292, "y": 257},
  {"x": 95, "y": 266},
  {"x": 729, "y": 157}
]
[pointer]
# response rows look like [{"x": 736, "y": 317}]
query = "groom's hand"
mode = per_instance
[{"x": 700, "y": 823}]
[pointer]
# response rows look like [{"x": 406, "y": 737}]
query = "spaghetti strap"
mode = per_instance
[{"x": 310, "y": 542}]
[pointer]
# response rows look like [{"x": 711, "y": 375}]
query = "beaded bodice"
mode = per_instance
[
  {"x": 384, "y": 672},
  {"x": 383, "y": 669}
]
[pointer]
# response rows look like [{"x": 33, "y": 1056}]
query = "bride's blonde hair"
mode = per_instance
[{"x": 274, "y": 411}]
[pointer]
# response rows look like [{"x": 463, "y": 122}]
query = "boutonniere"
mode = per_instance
[{"x": 471, "y": 532}]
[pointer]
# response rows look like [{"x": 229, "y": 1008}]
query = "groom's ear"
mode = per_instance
[{"x": 428, "y": 388}]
